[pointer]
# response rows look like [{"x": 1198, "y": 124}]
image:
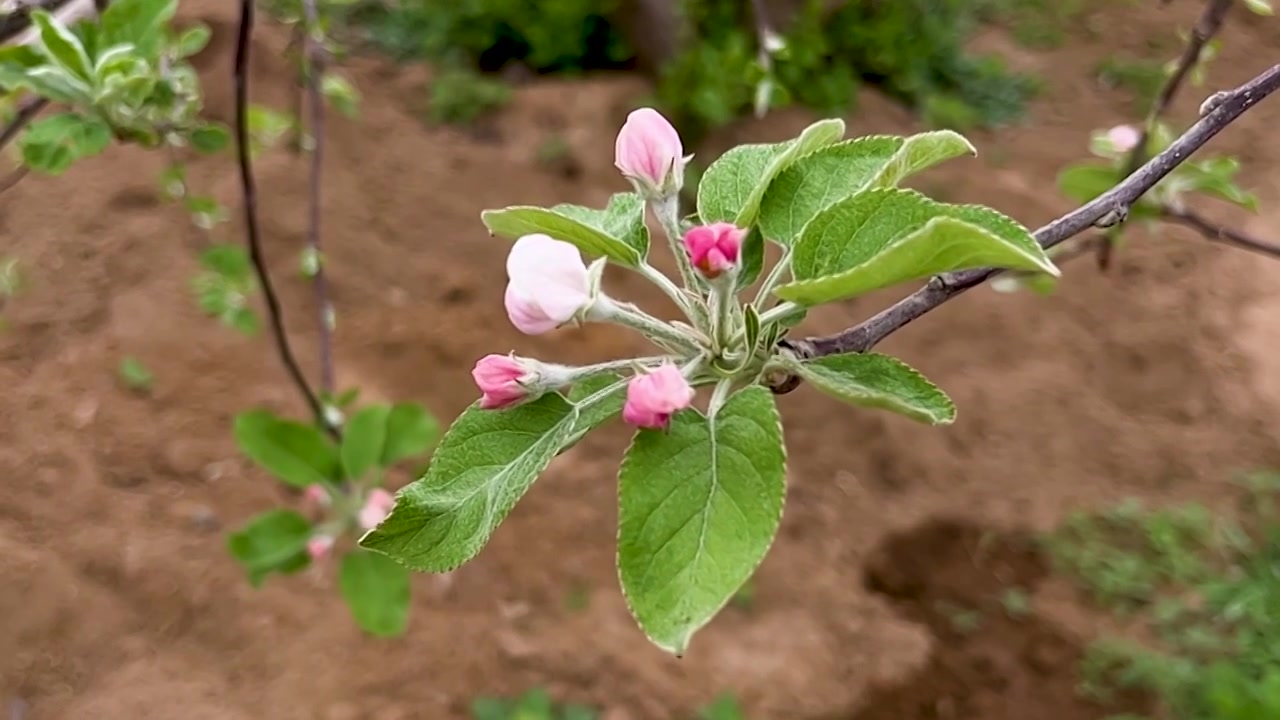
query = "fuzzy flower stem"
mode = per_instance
[
  {"x": 663, "y": 333},
  {"x": 672, "y": 291},
  {"x": 667, "y": 211},
  {"x": 775, "y": 276}
]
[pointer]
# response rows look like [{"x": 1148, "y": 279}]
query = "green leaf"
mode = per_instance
[
  {"x": 751, "y": 324},
  {"x": 62, "y": 46},
  {"x": 136, "y": 375},
  {"x": 192, "y": 40},
  {"x": 600, "y": 399},
  {"x": 698, "y": 508},
  {"x": 834, "y": 173},
  {"x": 1260, "y": 7},
  {"x": 137, "y": 22},
  {"x": 732, "y": 188},
  {"x": 877, "y": 381},
  {"x": 298, "y": 454},
  {"x": 376, "y": 589},
  {"x": 410, "y": 431},
  {"x": 52, "y": 144},
  {"x": 883, "y": 237},
  {"x": 275, "y": 541},
  {"x": 341, "y": 93},
  {"x": 618, "y": 232},
  {"x": 483, "y": 466},
  {"x": 363, "y": 440},
  {"x": 1087, "y": 181},
  {"x": 752, "y": 258},
  {"x": 210, "y": 138}
]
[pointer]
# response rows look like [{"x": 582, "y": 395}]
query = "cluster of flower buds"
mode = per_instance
[
  {"x": 375, "y": 508},
  {"x": 550, "y": 286}
]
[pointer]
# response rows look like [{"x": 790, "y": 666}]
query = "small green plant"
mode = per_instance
[
  {"x": 1038, "y": 24},
  {"x": 225, "y": 285},
  {"x": 1141, "y": 77},
  {"x": 725, "y": 707},
  {"x": 135, "y": 375},
  {"x": 1016, "y": 602},
  {"x": 460, "y": 96},
  {"x": 534, "y": 704}
]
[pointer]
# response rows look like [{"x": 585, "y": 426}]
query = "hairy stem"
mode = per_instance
[
  {"x": 314, "y": 71},
  {"x": 668, "y": 214}
]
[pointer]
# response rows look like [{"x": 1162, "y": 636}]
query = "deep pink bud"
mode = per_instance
[
  {"x": 548, "y": 284},
  {"x": 653, "y": 397},
  {"x": 498, "y": 377},
  {"x": 649, "y": 153},
  {"x": 714, "y": 248},
  {"x": 376, "y": 508},
  {"x": 319, "y": 546}
]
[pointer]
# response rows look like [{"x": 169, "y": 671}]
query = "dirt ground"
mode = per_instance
[{"x": 118, "y": 599}]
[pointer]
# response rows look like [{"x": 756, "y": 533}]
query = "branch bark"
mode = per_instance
[
  {"x": 314, "y": 72},
  {"x": 1106, "y": 210},
  {"x": 249, "y": 193},
  {"x": 27, "y": 112},
  {"x": 1217, "y": 233}
]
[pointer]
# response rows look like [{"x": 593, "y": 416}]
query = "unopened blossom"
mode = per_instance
[
  {"x": 376, "y": 508},
  {"x": 1124, "y": 138},
  {"x": 652, "y": 398},
  {"x": 316, "y": 495},
  {"x": 649, "y": 153},
  {"x": 714, "y": 249},
  {"x": 499, "y": 379},
  {"x": 319, "y": 546},
  {"x": 548, "y": 284}
]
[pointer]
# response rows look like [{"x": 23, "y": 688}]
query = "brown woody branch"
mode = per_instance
[
  {"x": 1106, "y": 210},
  {"x": 1217, "y": 233},
  {"x": 27, "y": 112},
  {"x": 1206, "y": 27},
  {"x": 314, "y": 72}
]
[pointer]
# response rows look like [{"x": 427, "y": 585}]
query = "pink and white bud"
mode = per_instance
[
  {"x": 319, "y": 546},
  {"x": 652, "y": 398},
  {"x": 548, "y": 284},
  {"x": 499, "y": 379},
  {"x": 316, "y": 495},
  {"x": 714, "y": 249},
  {"x": 649, "y": 153},
  {"x": 376, "y": 508},
  {"x": 1124, "y": 138}
]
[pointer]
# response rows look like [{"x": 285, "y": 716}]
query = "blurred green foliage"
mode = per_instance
[{"x": 914, "y": 49}]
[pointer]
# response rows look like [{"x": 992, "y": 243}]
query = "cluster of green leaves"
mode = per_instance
[
  {"x": 124, "y": 76},
  {"x": 460, "y": 95},
  {"x": 1207, "y": 587},
  {"x": 536, "y": 704},
  {"x": 699, "y": 504},
  {"x": 376, "y": 438}
]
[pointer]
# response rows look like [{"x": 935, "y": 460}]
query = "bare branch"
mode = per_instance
[
  {"x": 1107, "y": 209},
  {"x": 1217, "y": 233},
  {"x": 1207, "y": 26},
  {"x": 27, "y": 112},
  {"x": 13, "y": 178},
  {"x": 313, "y": 73},
  {"x": 249, "y": 193}
]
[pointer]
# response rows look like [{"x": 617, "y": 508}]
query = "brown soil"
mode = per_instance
[{"x": 118, "y": 599}]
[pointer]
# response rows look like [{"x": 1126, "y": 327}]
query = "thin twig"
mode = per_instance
[
  {"x": 1206, "y": 27},
  {"x": 249, "y": 193},
  {"x": 314, "y": 71},
  {"x": 14, "y": 177},
  {"x": 27, "y": 112},
  {"x": 1217, "y": 233},
  {"x": 1107, "y": 209}
]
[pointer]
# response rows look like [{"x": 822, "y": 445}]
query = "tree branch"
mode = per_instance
[
  {"x": 1217, "y": 233},
  {"x": 1104, "y": 211},
  {"x": 1208, "y": 25},
  {"x": 315, "y": 60},
  {"x": 27, "y": 112},
  {"x": 249, "y": 194}
]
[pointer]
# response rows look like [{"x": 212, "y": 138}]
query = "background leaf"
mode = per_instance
[
  {"x": 52, "y": 144},
  {"x": 377, "y": 591},
  {"x": 877, "y": 381},
  {"x": 364, "y": 440},
  {"x": 698, "y": 508},
  {"x": 298, "y": 454},
  {"x": 486, "y": 462},
  {"x": 210, "y": 138},
  {"x": 62, "y": 46},
  {"x": 410, "y": 431},
  {"x": 137, "y": 22},
  {"x": 275, "y": 541}
]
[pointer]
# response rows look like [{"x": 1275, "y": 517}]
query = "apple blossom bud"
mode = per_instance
[
  {"x": 653, "y": 397},
  {"x": 316, "y": 495},
  {"x": 549, "y": 284},
  {"x": 649, "y": 153},
  {"x": 714, "y": 249},
  {"x": 1124, "y": 138},
  {"x": 376, "y": 508},
  {"x": 319, "y": 546}
]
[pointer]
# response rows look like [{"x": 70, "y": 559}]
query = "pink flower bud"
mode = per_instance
[
  {"x": 319, "y": 546},
  {"x": 1124, "y": 138},
  {"x": 316, "y": 495},
  {"x": 714, "y": 248},
  {"x": 649, "y": 153},
  {"x": 652, "y": 398},
  {"x": 548, "y": 284},
  {"x": 498, "y": 377},
  {"x": 376, "y": 508}
]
